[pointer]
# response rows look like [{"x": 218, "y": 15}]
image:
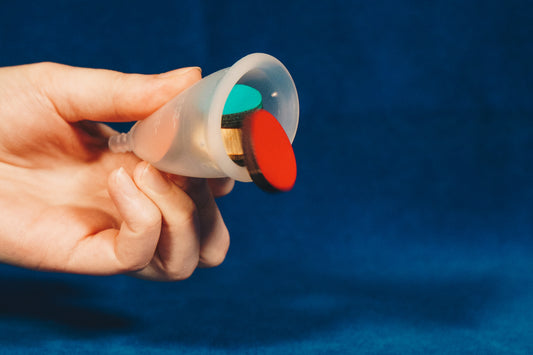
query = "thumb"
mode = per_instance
[{"x": 106, "y": 95}]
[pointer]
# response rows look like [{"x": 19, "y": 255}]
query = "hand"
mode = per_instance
[{"x": 70, "y": 205}]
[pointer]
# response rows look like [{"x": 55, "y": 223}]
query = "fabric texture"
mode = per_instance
[{"x": 409, "y": 230}]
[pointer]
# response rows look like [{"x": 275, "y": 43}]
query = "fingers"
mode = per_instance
[
  {"x": 214, "y": 236},
  {"x": 166, "y": 231},
  {"x": 106, "y": 95},
  {"x": 137, "y": 239},
  {"x": 132, "y": 247},
  {"x": 179, "y": 244}
]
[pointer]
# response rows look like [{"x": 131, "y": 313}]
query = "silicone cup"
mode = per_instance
[{"x": 184, "y": 136}]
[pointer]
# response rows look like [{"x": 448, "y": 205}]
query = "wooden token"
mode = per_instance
[
  {"x": 242, "y": 101},
  {"x": 268, "y": 153},
  {"x": 232, "y": 138}
]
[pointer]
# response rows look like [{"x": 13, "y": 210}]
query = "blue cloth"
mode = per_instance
[{"x": 410, "y": 226}]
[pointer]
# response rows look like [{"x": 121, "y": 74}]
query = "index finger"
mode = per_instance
[{"x": 106, "y": 95}]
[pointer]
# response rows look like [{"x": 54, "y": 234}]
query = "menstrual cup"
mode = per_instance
[{"x": 184, "y": 136}]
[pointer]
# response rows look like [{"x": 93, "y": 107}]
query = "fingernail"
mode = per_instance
[
  {"x": 151, "y": 178},
  {"x": 127, "y": 186}
]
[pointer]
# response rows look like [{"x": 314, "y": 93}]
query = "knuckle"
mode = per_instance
[
  {"x": 42, "y": 73},
  {"x": 47, "y": 66}
]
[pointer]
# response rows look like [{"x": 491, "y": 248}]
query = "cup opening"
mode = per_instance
[{"x": 279, "y": 97}]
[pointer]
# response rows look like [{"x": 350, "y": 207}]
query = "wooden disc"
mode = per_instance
[
  {"x": 268, "y": 153},
  {"x": 242, "y": 100}
]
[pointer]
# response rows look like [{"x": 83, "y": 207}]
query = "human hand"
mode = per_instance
[{"x": 70, "y": 205}]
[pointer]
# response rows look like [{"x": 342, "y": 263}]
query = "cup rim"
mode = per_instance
[{"x": 220, "y": 95}]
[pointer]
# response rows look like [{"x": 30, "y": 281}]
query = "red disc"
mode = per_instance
[{"x": 268, "y": 152}]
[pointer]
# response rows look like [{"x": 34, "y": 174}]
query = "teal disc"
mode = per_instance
[{"x": 242, "y": 98}]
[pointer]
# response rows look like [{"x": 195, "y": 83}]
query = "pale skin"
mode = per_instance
[{"x": 70, "y": 205}]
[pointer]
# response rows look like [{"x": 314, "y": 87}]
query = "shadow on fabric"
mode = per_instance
[
  {"x": 257, "y": 307},
  {"x": 60, "y": 306}
]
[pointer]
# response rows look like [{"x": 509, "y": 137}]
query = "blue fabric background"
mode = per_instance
[{"x": 410, "y": 229}]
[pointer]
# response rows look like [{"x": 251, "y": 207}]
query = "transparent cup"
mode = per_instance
[{"x": 184, "y": 136}]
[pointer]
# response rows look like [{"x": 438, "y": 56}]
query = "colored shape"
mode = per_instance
[
  {"x": 241, "y": 101},
  {"x": 268, "y": 152},
  {"x": 242, "y": 98}
]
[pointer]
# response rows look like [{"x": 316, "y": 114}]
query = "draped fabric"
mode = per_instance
[{"x": 410, "y": 228}]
